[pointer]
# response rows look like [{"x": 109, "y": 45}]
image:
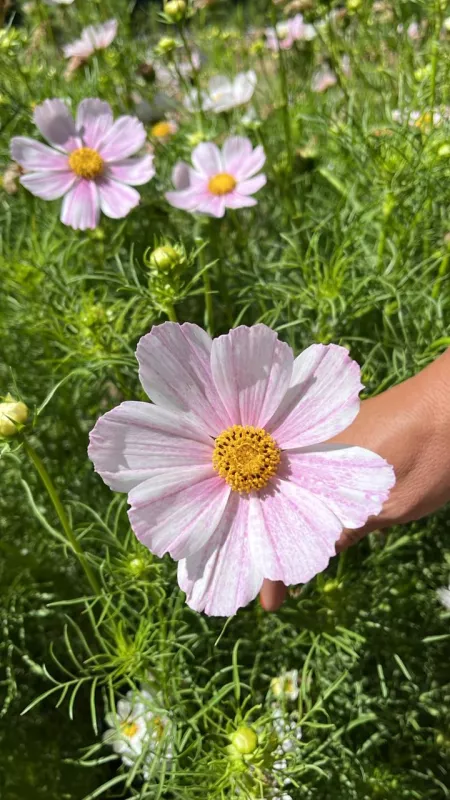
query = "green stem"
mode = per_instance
[
  {"x": 284, "y": 94},
  {"x": 170, "y": 311},
  {"x": 200, "y": 112},
  {"x": 443, "y": 269},
  {"x": 435, "y": 55},
  {"x": 209, "y": 308},
  {"x": 59, "y": 508}
]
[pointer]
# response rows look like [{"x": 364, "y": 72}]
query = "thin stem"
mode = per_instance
[
  {"x": 435, "y": 55},
  {"x": 170, "y": 311},
  {"x": 200, "y": 112},
  {"x": 59, "y": 508},
  {"x": 284, "y": 94},
  {"x": 209, "y": 308}
]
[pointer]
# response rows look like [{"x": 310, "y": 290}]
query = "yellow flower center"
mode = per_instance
[
  {"x": 86, "y": 163},
  {"x": 221, "y": 183},
  {"x": 246, "y": 457},
  {"x": 129, "y": 729},
  {"x": 161, "y": 130},
  {"x": 424, "y": 120}
]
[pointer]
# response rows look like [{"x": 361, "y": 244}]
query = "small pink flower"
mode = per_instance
[
  {"x": 286, "y": 33},
  {"x": 88, "y": 162},
  {"x": 94, "y": 37},
  {"x": 323, "y": 79},
  {"x": 229, "y": 470},
  {"x": 218, "y": 179}
]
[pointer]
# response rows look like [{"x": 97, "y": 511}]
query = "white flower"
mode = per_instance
[
  {"x": 444, "y": 596},
  {"x": 286, "y": 685},
  {"x": 135, "y": 729},
  {"x": 223, "y": 94}
]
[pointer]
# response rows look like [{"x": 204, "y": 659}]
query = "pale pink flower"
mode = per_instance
[
  {"x": 88, "y": 162},
  {"x": 229, "y": 469},
  {"x": 223, "y": 93},
  {"x": 218, "y": 179},
  {"x": 94, "y": 37},
  {"x": 286, "y": 33},
  {"x": 323, "y": 79}
]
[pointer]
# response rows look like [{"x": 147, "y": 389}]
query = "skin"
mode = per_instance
[{"x": 409, "y": 426}]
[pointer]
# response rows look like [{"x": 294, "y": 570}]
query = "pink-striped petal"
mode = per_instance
[
  {"x": 213, "y": 205},
  {"x": 80, "y": 48},
  {"x": 133, "y": 171},
  {"x": 187, "y": 199},
  {"x": 94, "y": 119},
  {"x": 123, "y": 139},
  {"x": 235, "y": 150},
  {"x": 252, "y": 185},
  {"x": 81, "y": 207},
  {"x": 322, "y": 399},
  {"x": 117, "y": 199},
  {"x": 351, "y": 481},
  {"x": 48, "y": 185},
  {"x": 32, "y": 155},
  {"x": 56, "y": 124},
  {"x": 175, "y": 371},
  {"x": 221, "y": 577},
  {"x": 179, "y": 521},
  {"x": 137, "y": 440},
  {"x": 180, "y": 175},
  {"x": 292, "y": 533},
  {"x": 236, "y": 200},
  {"x": 251, "y": 369},
  {"x": 207, "y": 159},
  {"x": 251, "y": 165}
]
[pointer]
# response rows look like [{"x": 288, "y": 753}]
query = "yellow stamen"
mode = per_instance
[
  {"x": 130, "y": 729},
  {"x": 246, "y": 457},
  {"x": 222, "y": 183},
  {"x": 161, "y": 130},
  {"x": 424, "y": 120},
  {"x": 158, "y": 725},
  {"x": 86, "y": 163}
]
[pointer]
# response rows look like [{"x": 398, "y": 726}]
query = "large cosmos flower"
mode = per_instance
[
  {"x": 89, "y": 162},
  {"x": 228, "y": 470},
  {"x": 94, "y": 37},
  {"x": 218, "y": 179},
  {"x": 286, "y": 33},
  {"x": 223, "y": 94}
]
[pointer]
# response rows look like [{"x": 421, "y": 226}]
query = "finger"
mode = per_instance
[{"x": 272, "y": 595}]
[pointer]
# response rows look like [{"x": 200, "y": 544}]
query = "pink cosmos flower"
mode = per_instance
[
  {"x": 323, "y": 79},
  {"x": 218, "y": 179},
  {"x": 94, "y": 37},
  {"x": 286, "y": 33},
  {"x": 228, "y": 469},
  {"x": 88, "y": 162}
]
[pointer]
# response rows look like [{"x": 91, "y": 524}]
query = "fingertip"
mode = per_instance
[{"x": 272, "y": 595}]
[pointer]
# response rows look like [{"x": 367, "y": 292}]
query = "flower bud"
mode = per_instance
[
  {"x": 166, "y": 46},
  {"x": 164, "y": 258},
  {"x": 175, "y": 10},
  {"x": 12, "y": 414},
  {"x": 244, "y": 740}
]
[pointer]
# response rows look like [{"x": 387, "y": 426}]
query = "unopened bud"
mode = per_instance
[
  {"x": 164, "y": 258},
  {"x": 12, "y": 414},
  {"x": 244, "y": 740},
  {"x": 175, "y": 10},
  {"x": 166, "y": 46}
]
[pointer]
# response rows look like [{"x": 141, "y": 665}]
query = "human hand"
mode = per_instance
[{"x": 409, "y": 426}]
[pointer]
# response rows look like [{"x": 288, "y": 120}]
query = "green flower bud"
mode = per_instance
[
  {"x": 166, "y": 46},
  {"x": 245, "y": 740},
  {"x": 12, "y": 414},
  {"x": 444, "y": 149},
  {"x": 353, "y": 5},
  {"x": 164, "y": 258},
  {"x": 175, "y": 10}
]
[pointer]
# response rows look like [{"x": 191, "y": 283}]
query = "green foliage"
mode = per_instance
[{"x": 347, "y": 244}]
